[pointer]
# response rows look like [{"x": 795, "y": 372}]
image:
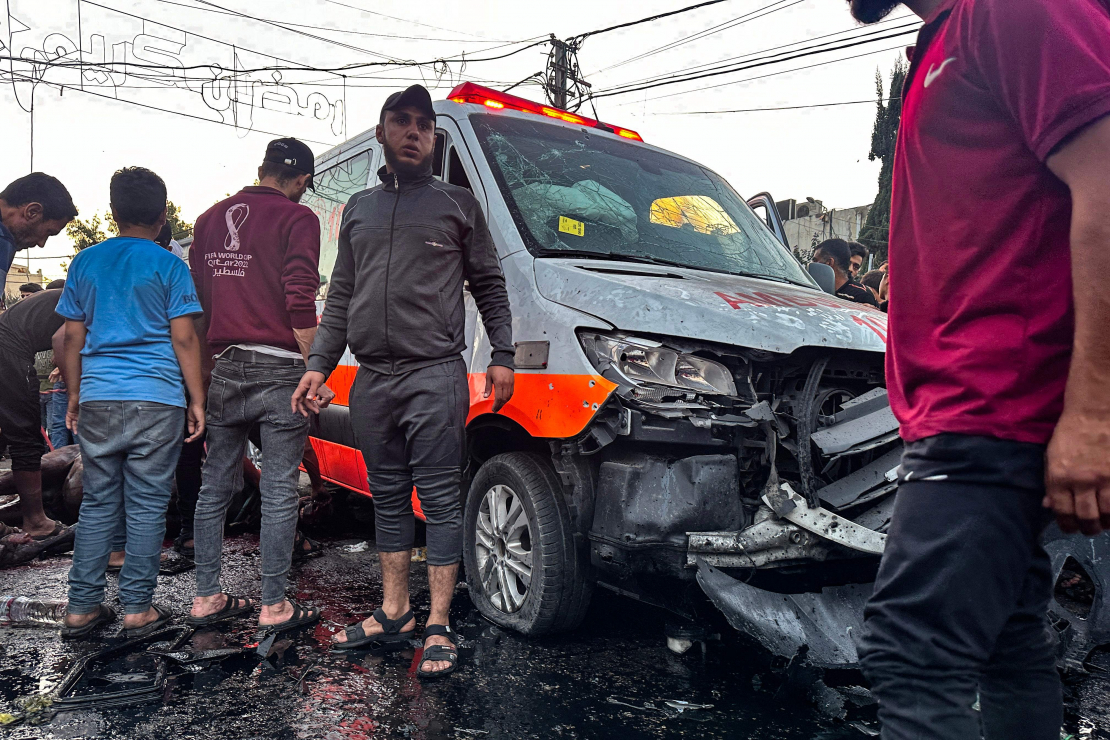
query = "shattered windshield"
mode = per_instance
[{"x": 578, "y": 193}]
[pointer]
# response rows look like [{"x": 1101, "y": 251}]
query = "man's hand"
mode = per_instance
[
  {"x": 311, "y": 394},
  {"x": 194, "y": 418},
  {"x": 499, "y": 381},
  {"x": 73, "y": 410},
  {"x": 1077, "y": 473},
  {"x": 55, "y": 375}
]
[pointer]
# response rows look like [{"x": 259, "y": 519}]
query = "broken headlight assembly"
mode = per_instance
[{"x": 644, "y": 362}]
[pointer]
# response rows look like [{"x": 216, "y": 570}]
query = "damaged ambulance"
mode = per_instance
[{"x": 692, "y": 412}]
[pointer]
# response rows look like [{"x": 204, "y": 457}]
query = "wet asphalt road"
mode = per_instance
[{"x": 608, "y": 679}]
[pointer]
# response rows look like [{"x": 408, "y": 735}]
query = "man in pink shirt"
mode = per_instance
[{"x": 998, "y": 364}]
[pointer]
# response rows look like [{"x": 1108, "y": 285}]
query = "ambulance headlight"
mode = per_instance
[{"x": 646, "y": 362}]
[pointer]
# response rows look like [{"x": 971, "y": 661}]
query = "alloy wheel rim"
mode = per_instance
[{"x": 504, "y": 548}]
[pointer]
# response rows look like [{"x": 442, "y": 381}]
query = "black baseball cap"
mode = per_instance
[
  {"x": 293, "y": 154},
  {"x": 416, "y": 96}
]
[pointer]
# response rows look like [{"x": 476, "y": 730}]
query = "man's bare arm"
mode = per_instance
[
  {"x": 58, "y": 344},
  {"x": 186, "y": 345},
  {"x": 74, "y": 342},
  {"x": 304, "y": 340},
  {"x": 1078, "y": 466}
]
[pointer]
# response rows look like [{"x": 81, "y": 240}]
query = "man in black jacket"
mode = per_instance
[{"x": 396, "y": 298}]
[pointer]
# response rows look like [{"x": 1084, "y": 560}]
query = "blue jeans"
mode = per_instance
[
  {"x": 129, "y": 449},
  {"x": 59, "y": 401},
  {"x": 240, "y": 396}
]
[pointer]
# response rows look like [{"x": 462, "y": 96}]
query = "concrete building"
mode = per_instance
[
  {"x": 808, "y": 223},
  {"x": 18, "y": 275}
]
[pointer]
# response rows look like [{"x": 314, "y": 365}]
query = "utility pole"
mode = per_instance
[{"x": 564, "y": 85}]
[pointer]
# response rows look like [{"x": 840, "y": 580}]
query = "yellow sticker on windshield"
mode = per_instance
[{"x": 570, "y": 226}]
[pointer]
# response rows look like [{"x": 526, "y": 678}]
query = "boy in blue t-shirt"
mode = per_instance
[{"x": 129, "y": 343}]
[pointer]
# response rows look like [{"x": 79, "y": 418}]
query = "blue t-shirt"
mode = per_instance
[{"x": 127, "y": 290}]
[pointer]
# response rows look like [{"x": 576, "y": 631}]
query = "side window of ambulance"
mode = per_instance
[
  {"x": 456, "y": 175},
  {"x": 334, "y": 187},
  {"x": 437, "y": 156}
]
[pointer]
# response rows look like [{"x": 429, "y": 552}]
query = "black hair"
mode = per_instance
[
  {"x": 55, "y": 284},
  {"x": 283, "y": 173},
  {"x": 30, "y": 288},
  {"x": 839, "y": 250},
  {"x": 873, "y": 279},
  {"x": 858, "y": 250},
  {"x": 138, "y": 196},
  {"x": 38, "y": 187},
  {"x": 164, "y": 236}
]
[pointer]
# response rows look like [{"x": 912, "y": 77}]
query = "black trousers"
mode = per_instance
[
  {"x": 960, "y": 602},
  {"x": 411, "y": 429},
  {"x": 20, "y": 413}
]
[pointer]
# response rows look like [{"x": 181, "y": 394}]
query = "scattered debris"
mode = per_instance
[
  {"x": 682, "y": 706},
  {"x": 865, "y": 729},
  {"x": 358, "y": 547},
  {"x": 27, "y": 612}
]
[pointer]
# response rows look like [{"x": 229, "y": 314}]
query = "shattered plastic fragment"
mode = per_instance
[
  {"x": 682, "y": 706},
  {"x": 358, "y": 547}
]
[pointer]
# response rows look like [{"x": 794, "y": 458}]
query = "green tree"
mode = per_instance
[
  {"x": 884, "y": 135},
  {"x": 179, "y": 227},
  {"x": 87, "y": 233}
]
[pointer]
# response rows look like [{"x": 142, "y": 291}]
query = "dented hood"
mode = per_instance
[{"x": 713, "y": 307}]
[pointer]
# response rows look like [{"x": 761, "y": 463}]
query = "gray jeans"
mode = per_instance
[
  {"x": 411, "y": 429},
  {"x": 240, "y": 396},
  {"x": 129, "y": 449}
]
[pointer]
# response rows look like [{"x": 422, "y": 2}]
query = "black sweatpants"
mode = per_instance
[
  {"x": 411, "y": 429},
  {"x": 960, "y": 602},
  {"x": 20, "y": 413}
]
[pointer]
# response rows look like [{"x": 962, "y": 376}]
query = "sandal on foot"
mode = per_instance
[
  {"x": 164, "y": 617},
  {"x": 437, "y": 653},
  {"x": 104, "y": 616},
  {"x": 302, "y": 615},
  {"x": 391, "y": 632},
  {"x": 233, "y": 607},
  {"x": 300, "y": 554}
]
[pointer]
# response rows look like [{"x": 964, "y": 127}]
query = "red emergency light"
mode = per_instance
[{"x": 468, "y": 92}]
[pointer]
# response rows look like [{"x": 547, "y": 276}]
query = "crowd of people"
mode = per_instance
[{"x": 166, "y": 369}]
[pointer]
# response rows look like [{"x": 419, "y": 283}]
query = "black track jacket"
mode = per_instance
[{"x": 396, "y": 293}]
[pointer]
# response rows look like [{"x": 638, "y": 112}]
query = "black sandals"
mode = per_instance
[
  {"x": 391, "y": 632},
  {"x": 437, "y": 653}
]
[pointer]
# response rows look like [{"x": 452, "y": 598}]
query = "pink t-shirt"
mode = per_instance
[{"x": 981, "y": 314}]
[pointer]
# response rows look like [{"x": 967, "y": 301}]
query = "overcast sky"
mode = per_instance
[{"x": 80, "y": 138}]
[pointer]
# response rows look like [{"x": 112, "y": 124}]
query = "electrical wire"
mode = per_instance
[
  {"x": 334, "y": 30},
  {"x": 395, "y": 18},
  {"x": 761, "y": 77},
  {"x": 756, "y": 110},
  {"x": 162, "y": 110},
  {"x": 732, "y": 23},
  {"x": 867, "y": 31},
  {"x": 583, "y": 36},
  {"x": 742, "y": 67},
  {"x": 684, "y": 75}
]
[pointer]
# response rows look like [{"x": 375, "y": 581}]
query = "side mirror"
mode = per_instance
[{"x": 824, "y": 276}]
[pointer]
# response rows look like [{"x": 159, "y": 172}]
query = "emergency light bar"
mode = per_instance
[{"x": 468, "y": 92}]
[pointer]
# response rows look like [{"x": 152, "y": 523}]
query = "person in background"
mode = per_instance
[
  {"x": 32, "y": 209},
  {"x": 56, "y": 429},
  {"x": 130, "y": 351},
  {"x": 837, "y": 254},
  {"x": 29, "y": 289},
  {"x": 255, "y": 260},
  {"x": 166, "y": 241},
  {"x": 997, "y": 360},
  {"x": 873, "y": 280},
  {"x": 28, "y": 327},
  {"x": 856, "y": 261}
]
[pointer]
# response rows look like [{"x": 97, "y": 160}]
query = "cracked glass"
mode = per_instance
[
  {"x": 334, "y": 187},
  {"x": 576, "y": 193}
]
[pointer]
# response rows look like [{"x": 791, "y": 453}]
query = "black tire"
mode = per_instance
[{"x": 560, "y": 587}]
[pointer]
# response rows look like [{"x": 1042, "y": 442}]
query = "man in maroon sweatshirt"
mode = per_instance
[{"x": 255, "y": 261}]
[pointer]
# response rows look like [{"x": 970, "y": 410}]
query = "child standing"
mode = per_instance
[{"x": 130, "y": 351}]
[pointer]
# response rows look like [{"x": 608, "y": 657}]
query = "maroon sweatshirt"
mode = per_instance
[{"x": 255, "y": 259}]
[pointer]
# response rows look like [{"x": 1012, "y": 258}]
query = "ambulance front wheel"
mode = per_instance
[{"x": 522, "y": 567}]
